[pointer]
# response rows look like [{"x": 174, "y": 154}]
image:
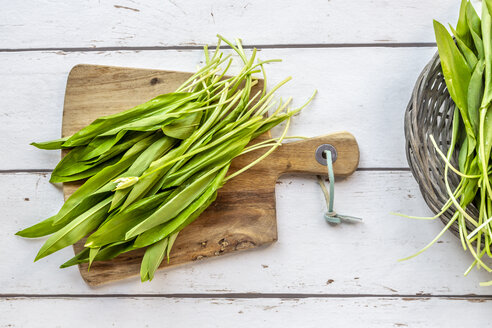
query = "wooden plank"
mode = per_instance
[
  {"x": 136, "y": 23},
  {"x": 364, "y": 91},
  {"x": 309, "y": 256},
  {"x": 276, "y": 312}
]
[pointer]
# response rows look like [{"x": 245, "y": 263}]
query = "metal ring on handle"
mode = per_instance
[{"x": 320, "y": 154}]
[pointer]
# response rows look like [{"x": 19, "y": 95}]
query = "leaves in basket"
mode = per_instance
[{"x": 456, "y": 72}]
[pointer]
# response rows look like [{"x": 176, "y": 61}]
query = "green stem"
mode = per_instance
[
  {"x": 484, "y": 161},
  {"x": 279, "y": 143}
]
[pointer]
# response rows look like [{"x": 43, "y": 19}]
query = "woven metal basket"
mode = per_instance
[{"x": 430, "y": 112}]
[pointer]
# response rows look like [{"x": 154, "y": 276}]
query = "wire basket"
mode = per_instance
[{"x": 430, "y": 112}]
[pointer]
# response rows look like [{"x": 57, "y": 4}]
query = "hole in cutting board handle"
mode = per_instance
[{"x": 321, "y": 156}]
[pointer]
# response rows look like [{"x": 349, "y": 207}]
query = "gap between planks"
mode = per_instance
[
  {"x": 259, "y": 46},
  {"x": 361, "y": 169},
  {"x": 470, "y": 297}
]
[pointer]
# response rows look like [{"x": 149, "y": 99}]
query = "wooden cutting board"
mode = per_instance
[{"x": 242, "y": 217}]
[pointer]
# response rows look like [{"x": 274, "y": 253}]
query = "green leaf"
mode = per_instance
[
  {"x": 84, "y": 171},
  {"x": 216, "y": 156},
  {"x": 107, "y": 123},
  {"x": 152, "y": 259},
  {"x": 151, "y": 182},
  {"x": 92, "y": 255},
  {"x": 115, "y": 229},
  {"x": 140, "y": 189},
  {"x": 478, "y": 45},
  {"x": 455, "y": 69},
  {"x": 269, "y": 125},
  {"x": 111, "y": 251},
  {"x": 175, "y": 204},
  {"x": 475, "y": 26},
  {"x": 470, "y": 57},
  {"x": 183, "y": 127},
  {"x": 73, "y": 164},
  {"x": 455, "y": 132},
  {"x": 105, "y": 253},
  {"x": 470, "y": 189},
  {"x": 40, "y": 229},
  {"x": 153, "y": 152},
  {"x": 81, "y": 257},
  {"x": 186, "y": 216},
  {"x": 130, "y": 139},
  {"x": 475, "y": 93},
  {"x": 50, "y": 145},
  {"x": 172, "y": 239},
  {"x": 156, "y": 121},
  {"x": 75, "y": 230},
  {"x": 163, "y": 165},
  {"x": 462, "y": 29},
  {"x": 101, "y": 145},
  {"x": 86, "y": 204},
  {"x": 70, "y": 164},
  {"x": 487, "y": 134},
  {"x": 55, "y": 223},
  {"x": 456, "y": 73},
  {"x": 473, "y": 20},
  {"x": 488, "y": 4},
  {"x": 463, "y": 155},
  {"x": 485, "y": 128},
  {"x": 102, "y": 180},
  {"x": 487, "y": 46}
]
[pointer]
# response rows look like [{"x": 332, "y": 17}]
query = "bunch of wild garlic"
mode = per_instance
[{"x": 153, "y": 169}]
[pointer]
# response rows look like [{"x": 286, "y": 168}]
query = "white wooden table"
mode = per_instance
[{"x": 363, "y": 57}]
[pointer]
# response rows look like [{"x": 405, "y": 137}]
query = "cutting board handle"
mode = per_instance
[{"x": 299, "y": 156}]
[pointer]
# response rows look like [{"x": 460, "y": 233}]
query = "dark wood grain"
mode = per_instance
[{"x": 242, "y": 217}]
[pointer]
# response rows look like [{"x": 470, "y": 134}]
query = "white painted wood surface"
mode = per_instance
[
  {"x": 209, "y": 312},
  {"x": 309, "y": 257},
  {"x": 150, "y": 23},
  {"x": 362, "y": 56},
  {"x": 354, "y": 94}
]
